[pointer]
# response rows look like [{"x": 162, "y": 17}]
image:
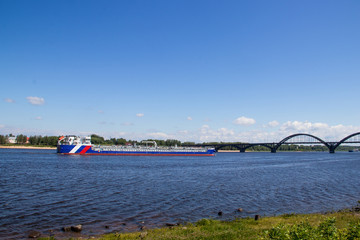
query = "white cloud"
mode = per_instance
[
  {"x": 189, "y": 118},
  {"x": 303, "y": 126},
  {"x": 206, "y": 134},
  {"x": 101, "y": 111},
  {"x": 121, "y": 134},
  {"x": 244, "y": 121},
  {"x": 139, "y": 114},
  {"x": 36, "y": 100},
  {"x": 321, "y": 130},
  {"x": 38, "y": 118},
  {"x": 9, "y": 100},
  {"x": 158, "y": 135},
  {"x": 183, "y": 132},
  {"x": 2, "y": 126},
  {"x": 273, "y": 124},
  {"x": 225, "y": 132},
  {"x": 204, "y": 128}
]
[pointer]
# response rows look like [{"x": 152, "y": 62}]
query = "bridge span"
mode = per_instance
[{"x": 298, "y": 139}]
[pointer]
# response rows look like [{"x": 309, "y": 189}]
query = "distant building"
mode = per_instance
[{"x": 12, "y": 139}]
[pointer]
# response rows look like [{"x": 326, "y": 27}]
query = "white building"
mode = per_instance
[{"x": 12, "y": 139}]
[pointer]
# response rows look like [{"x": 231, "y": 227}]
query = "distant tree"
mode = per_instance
[
  {"x": 172, "y": 142},
  {"x": 31, "y": 140},
  {"x": 168, "y": 142},
  {"x": 21, "y": 139},
  {"x": 120, "y": 141},
  {"x": 39, "y": 140},
  {"x": 95, "y": 139},
  {"x": 35, "y": 140},
  {"x": 44, "y": 140},
  {"x": 3, "y": 139},
  {"x": 52, "y": 141},
  {"x": 112, "y": 141},
  {"x": 18, "y": 139}
]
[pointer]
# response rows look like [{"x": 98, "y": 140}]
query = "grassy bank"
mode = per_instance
[{"x": 338, "y": 225}]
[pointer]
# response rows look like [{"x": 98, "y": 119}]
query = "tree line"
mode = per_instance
[
  {"x": 36, "y": 140},
  {"x": 39, "y": 140}
]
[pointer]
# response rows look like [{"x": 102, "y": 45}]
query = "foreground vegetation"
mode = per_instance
[
  {"x": 338, "y": 225},
  {"x": 313, "y": 226}
]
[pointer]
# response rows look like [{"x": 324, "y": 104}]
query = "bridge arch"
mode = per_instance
[
  {"x": 296, "y": 135},
  {"x": 259, "y": 144},
  {"x": 242, "y": 146},
  {"x": 344, "y": 139},
  {"x": 217, "y": 148}
]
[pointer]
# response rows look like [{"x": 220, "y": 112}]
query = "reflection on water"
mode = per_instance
[{"x": 44, "y": 191}]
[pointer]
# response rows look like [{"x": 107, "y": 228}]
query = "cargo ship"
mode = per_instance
[{"x": 82, "y": 146}]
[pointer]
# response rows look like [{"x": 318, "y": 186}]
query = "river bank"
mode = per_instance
[
  {"x": 344, "y": 224},
  {"x": 26, "y": 147}
]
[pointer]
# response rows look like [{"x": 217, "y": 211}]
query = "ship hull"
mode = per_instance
[{"x": 89, "y": 150}]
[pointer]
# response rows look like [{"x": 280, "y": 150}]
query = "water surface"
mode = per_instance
[{"x": 41, "y": 190}]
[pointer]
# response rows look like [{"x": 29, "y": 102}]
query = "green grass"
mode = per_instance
[
  {"x": 341, "y": 225},
  {"x": 337, "y": 225}
]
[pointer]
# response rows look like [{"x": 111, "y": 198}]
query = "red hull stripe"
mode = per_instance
[
  {"x": 85, "y": 150},
  {"x": 138, "y": 154}
]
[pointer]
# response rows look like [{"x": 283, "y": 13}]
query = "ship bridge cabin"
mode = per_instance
[{"x": 74, "y": 140}]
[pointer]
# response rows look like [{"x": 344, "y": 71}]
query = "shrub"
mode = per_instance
[
  {"x": 203, "y": 222},
  {"x": 326, "y": 230},
  {"x": 353, "y": 231}
]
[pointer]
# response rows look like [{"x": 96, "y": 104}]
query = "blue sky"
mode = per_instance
[{"x": 189, "y": 70}]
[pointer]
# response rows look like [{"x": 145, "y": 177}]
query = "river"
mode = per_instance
[{"x": 43, "y": 191}]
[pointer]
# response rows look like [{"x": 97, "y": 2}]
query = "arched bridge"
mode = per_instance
[{"x": 298, "y": 138}]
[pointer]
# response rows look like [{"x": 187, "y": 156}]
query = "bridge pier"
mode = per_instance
[
  {"x": 242, "y": 149},
  {"x": 273, "y": 150},
  {"x": 332, "y": 149}
]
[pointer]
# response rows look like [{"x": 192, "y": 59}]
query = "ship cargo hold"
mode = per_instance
[{"x": 82, "y": 146}]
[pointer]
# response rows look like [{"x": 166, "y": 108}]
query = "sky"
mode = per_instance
[{"x": 192, "y": 70}]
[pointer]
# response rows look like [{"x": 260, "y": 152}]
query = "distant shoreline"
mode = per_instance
[{"x": 27, "y": 147}]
